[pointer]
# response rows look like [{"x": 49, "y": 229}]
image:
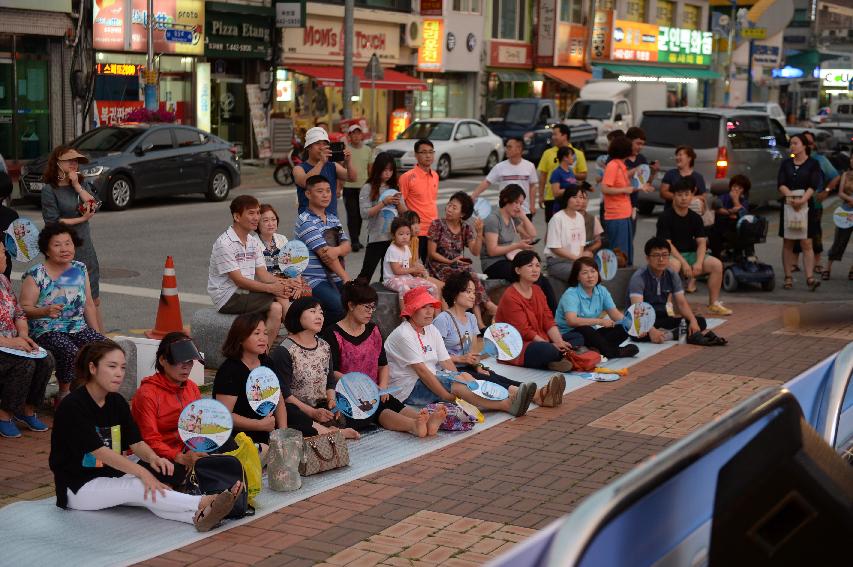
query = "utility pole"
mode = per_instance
[
  {"x": 349, "y": 32},
  {"x": 151, "y": 102},
  {"x": 730, "y": 71},
  {"x": 587, "y": 56}
]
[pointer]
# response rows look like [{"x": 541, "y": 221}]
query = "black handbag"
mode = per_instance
[{"x": 216, "y": 473}]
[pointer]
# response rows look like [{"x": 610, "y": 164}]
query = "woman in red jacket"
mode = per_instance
[
  {"x": 160, "y": 399},
  {"x": 524, "y": 306}
]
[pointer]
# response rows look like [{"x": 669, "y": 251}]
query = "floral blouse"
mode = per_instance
[
  {"x": 10, "y": 311},
  {"x": 307, "y": 372},
  {"x": 69, "y": 290},
  {"x": 448, "y": 244}
]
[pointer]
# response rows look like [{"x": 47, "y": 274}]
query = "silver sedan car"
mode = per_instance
[{"x": 460, "y": 143}]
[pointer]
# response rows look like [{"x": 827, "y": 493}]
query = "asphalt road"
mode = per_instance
[{"x": 132, "y": 247}]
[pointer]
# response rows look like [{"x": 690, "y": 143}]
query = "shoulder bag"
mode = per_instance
[{"x": 322, "y": 453}]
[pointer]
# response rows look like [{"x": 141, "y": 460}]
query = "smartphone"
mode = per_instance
[
  {"x": 535, "y": 241},
  {"x": 337, "y": 151}
]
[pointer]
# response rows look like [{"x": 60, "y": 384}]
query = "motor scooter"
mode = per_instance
[{"x": 283, "y": 173}]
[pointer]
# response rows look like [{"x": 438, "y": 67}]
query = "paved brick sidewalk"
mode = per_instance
[{"x": 473, "y": 500}]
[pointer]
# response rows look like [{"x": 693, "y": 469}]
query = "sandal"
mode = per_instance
[
  {"x": 208, "y": 518},
  {"x": 699, "y": 339},
  {"x": 718, "y": 340},
  {"x": 789, "y": 283},
  {"x": 825, "y": 275},
  {"x": 552, "y": 392},
  {"x": 522, "y": 399},
  {"x": 813, "y": 283},
  {"x": 850, "y": 274}
]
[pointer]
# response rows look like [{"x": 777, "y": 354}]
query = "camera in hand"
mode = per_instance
[{"x": 337, "y": 151}]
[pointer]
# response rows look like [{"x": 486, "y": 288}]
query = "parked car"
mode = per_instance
[
  {"x": 460, "y": 143},
  {"x": 140, "y": 160},
  {"x": 727, "y": 142},
  {"x": 823, "y": 114},
  {"x": 772, "y": 109}
]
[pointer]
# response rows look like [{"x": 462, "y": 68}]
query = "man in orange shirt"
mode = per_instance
[{"x": 419, "y": 187}]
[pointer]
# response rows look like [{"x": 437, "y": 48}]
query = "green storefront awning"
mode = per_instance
[
  {"x": 519, "y": 76},
  {"x": 659, "y": 71},
  {"x": 809, "y": 59}
]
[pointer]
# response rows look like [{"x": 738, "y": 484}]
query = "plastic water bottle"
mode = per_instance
[{"x": 682, "y": 331}]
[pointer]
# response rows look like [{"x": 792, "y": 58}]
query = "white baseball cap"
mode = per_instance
[
  {"x": 314, "y": 135},
  {"x": 353, "y": 128}
]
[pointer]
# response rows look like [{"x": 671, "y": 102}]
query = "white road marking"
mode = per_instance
[{"x": 135, "y": 291}]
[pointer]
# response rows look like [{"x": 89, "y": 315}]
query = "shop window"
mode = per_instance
[
  {"x": 665, "y": 13},
  {"x": 571, "y": 11},
  {"x": 467, "y": 6},
  {"x": 690, "y": 17},
  {"x": 605, "y": 5},
  {"x": 635, "y": 10},
  {"x": 160, "y": 139},
  {"x": 508, "y": 20},
  {"x": 33, "y": 108},
  {"x": 186, "y": 137}
]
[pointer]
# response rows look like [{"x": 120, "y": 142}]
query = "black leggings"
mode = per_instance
[
  {"x": 503, "y": 270},
  {"x": 605, "y": 340},
  {"x": 373, "y": 255},
  {"x": 664, "y": 321},
  {"x": 493, "y": 377},
  {"x": 393, "y": 404},
  {"x": 353, "y": 213}
]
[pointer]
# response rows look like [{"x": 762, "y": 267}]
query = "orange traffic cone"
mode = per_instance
[{"x": 169, "y": 312}]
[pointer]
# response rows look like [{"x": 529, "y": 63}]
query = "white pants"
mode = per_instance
[{"x": 128, "y": 490}]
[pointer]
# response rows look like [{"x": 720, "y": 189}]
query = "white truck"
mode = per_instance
[{"x": 610, "y": 105}]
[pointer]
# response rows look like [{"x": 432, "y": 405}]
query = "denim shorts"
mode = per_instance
[{"x": 421, "y": 395}]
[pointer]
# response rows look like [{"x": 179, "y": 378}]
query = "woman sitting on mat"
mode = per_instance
[
  {"x": 356, "y": 346},
  {"x": 305, "y": 362},
  {"x": 580, "y": 311},
  {"x": 417, "y": 355},
  {"x": 160, "y": 399},
  {"x": 524, "y": 307},
  {"x": 92, "y": 429},
  {"x": 458, "y": 328},
  {"x": 245, "y": 349}
]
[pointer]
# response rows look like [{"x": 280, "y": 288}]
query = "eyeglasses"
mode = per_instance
[
  {"x": 664, "y": 256},
  {"x": 369, "y": 306},
  {"x": 427, "y": 152}
]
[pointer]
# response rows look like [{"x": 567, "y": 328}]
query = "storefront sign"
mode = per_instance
[
  {"x": 113, "y": 111},
  {"x": 122, "y": 69},
  {"x": 465, "y": 56},
  {"x": 571, "y": 42},
  {"x": 767, "y": 55},
  {"x": 547, "y": 33},
  {"x": 836, "y": 78},
  {"x": 111, "y": 22},
  {"x": 290, "y": 14},
  {"x": 431, "y": 8},
  {"x": 237, "y": 35},
  {"x": 259, "y": 120},
  {"x": 692, "y": 47},
  {"x": 602, "y": 30},
  {"x": 284, "y": 90},
  {"x": 635, "y": 41},
  {"x": 322, "y": 41},
  {"x": 202, "y": 96},
  {"x": 510, "y": 54},
  {"x": 430, "y": 52}
]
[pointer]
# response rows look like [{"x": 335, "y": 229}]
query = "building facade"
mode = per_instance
[{"x": 38, "y": 109}]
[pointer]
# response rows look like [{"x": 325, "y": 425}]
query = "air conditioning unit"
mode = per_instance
[{"x": 413, "y": 34}]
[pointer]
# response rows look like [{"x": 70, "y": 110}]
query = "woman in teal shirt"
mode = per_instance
[{"x": 580, "y": 311}]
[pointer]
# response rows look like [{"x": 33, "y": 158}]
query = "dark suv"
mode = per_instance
[{"x": 142, "y": 160}]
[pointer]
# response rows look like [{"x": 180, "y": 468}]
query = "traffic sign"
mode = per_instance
[
  {"x": 373, "y": 71},
  {"x": 179, "y": 36},
  {"x": 753, "y": 33}
]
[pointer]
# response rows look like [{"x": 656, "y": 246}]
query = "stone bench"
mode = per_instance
[
  {"x": 209, "y": 329},
  {"x": 618, "y": 286}
]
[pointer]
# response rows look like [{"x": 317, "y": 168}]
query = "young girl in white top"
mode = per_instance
[{"x": 398, "y": 272}]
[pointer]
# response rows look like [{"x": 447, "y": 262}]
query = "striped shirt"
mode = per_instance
[
  {"x": 316, "y": 234},
  {"x": 230, "y": 254}
]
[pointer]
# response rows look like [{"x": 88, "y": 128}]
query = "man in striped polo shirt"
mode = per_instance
[{"x": 327, "y": 244}]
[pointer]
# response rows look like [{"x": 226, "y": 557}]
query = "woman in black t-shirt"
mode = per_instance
[
  {"x": 799, "y": 179},
  {"x": 93, "y": 427},
  {"x": 245, "y": 349}
]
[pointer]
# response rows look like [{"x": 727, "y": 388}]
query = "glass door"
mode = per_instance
[
  {"x": 33, "y": 108},
  {"x": 7, "y": 111}
]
